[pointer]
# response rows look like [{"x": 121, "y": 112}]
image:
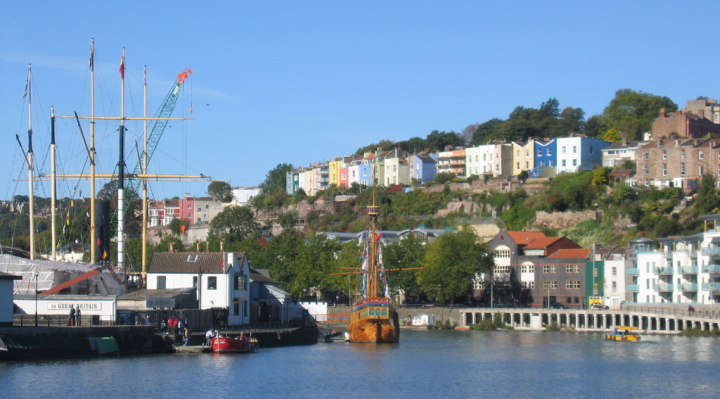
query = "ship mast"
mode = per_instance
[
  {"x": 373, "y": 211},
  {"x": 30, "y": 167}
]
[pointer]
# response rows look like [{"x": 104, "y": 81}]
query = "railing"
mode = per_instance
[
  {"x": 711, "y": 268},
  {"x": 710, "y": 251},
  {"x": 711, "y": 286},
  {"x": 664, "y": 270},
  {"x": 28, "y": 320},
  {"x": 672, "y": 311},
  {"x": 633, "y": 272},
  {"x": 663, "y": 287},
  {"x": 688, "y": 269},
  {"x": 632, "y": 287},
  {"x": 688, "y": 287}
]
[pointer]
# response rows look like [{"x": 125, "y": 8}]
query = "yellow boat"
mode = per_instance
[{"x": 621, "y": 333}]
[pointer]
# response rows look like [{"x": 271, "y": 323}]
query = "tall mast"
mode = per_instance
[
  {"x": 53, "y": 183},
  {"x": 93, "y": 231},
  {"x": 30, "y": 167},
  {"x": 144, "y": 182},
  {"x": 121, "y": 174},
  {"x": 373, "y": 211}
]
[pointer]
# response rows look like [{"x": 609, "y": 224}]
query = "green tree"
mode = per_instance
[
  {"x": 287, "y": 219},
  {"x": 164, "y": 245},
  {"x": 451, "y": 263},
  {"x": 220, "y": 191},
  {"x": 707, "y": 196},
  {"x": 443, "y": 177},
  {"x": 405, "y": 254},
  {"x": 233, "y": 224},
  {"x": 176, "y": 225},
  {"x": 633, "y": 112},
  {"x": 486, "y": 131},
  {"x": 594, "y": 126},
  {"x": 275, "y": 178},
  {"x": 600, "y": 177}
]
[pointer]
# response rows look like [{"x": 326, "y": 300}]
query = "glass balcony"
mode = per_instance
[
  {"x": 688, "y": 269},
  {"x": 711, "y": 286},
  {"x": 711, "y": 268},
  {"x": 664, "y": 270},
  {"x": 633, "y": 287},
  {"x": 633, "y": 272},
  {"x": 662, "y": 287},
  {"x": 711, "y": 251},
  {"x": 688, "y": 287}
]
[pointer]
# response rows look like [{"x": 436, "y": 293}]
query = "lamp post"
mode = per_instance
[{"x": 35, "y": 274}]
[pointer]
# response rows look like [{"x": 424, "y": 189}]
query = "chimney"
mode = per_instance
[
  {"x": 221, "y": 245},
  {"x": 197, "y": 247},
  {"x": 662, "y": 112},
  {"x": 701, "y": 113},
  {"x": 207, "y": 247},
  {"x": 678, "y": 113},
  {"x": 171, "y": 248}
]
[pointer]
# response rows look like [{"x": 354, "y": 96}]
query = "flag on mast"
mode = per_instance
[
  {"x": 91, "y": 63},
  {"x": 122, "y": 67},
  {"x": 27, "y": 82}
]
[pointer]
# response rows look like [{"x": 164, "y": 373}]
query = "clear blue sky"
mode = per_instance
[{"x": 302, "y": 81}]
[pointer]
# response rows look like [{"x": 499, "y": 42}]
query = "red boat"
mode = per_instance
[{"x": 232, "y": 345}]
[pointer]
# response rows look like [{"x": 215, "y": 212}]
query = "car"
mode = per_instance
[
  {"x": 599, "y": 306},
  {"x": 558, "y": 305}
]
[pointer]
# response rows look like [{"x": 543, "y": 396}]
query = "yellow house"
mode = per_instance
[
  {"x": 334, "y": 168},
  {"x": 523, "y": 157}
]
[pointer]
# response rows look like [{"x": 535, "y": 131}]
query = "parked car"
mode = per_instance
[
  {"x": 599, "y": 306},
  {"x": 558, "y": 305},
  {"x": 501, "y": 305}
]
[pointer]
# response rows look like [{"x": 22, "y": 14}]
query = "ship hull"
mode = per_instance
[{"x": 374, "y": 321}]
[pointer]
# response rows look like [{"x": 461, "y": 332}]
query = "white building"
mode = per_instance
[
  {"x": 244, "y": 195},
  {"x": 221, "y": 279},
  {"x": 615, "y": 266}
]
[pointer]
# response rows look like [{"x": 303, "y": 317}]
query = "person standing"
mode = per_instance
[
  {"x": 72, "y": 316},
  {"x": 187, "y": 336},
  {"x": 78, "y": 318},
  {"x": 208, "y": 337}
]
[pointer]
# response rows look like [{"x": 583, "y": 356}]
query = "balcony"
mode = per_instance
[
  {"x": 664, "y": 270},
  {"x": 633, "y": 272},
  {"x": 711, "y": 251},
  {"x": 662, "y": 287},
  {"x": 711, "y": 286},
  {"x": 688, "y": 287},
  {"x": 688, "y": 270},
  {"x": 711, "y": 268},
  {"x": 632, "y": 287}
]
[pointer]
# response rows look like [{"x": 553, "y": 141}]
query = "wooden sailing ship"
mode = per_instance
[{"x": 373, "y": 319}]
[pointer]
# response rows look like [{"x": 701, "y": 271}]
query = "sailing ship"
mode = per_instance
[{"x": 373, "y": 319}]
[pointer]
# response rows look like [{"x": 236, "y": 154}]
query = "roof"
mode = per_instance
[
  {"x": 159, "y": 293},
  {"x": 622, "y": 172},
  {"x": 579, "y": 253},
  {"x": 8, "y": 276},
  {"x": 426, "y": 158},
  {"x": 261, "y": 276},
  {"x": 189, "y": 262},
  {"x": 524, "y": 237},
  {"x": 541, "y": 243}
]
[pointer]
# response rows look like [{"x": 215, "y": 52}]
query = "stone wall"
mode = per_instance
[{"x": 565, "y": 219}]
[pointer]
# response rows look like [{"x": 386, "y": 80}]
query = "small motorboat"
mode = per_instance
[
  {"x": 621, "y": 333},
  {"x": 241, "y": 344}
]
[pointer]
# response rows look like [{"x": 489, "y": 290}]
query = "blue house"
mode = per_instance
[
  {"x": 364, "y": 178},
  {"x": 423, "y": 167},
  {"x": 545, "y": 158}
]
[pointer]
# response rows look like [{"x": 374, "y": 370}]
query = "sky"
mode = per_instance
[{"x": 303, "y": 81}]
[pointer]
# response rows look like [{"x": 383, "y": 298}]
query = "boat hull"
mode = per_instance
[
  {"x": 374, "y": 321},
  {"x": 622, "y": 337},
  {"x": 232, "y": 345}
]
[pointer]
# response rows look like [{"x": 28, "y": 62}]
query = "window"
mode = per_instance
[
  {"x": 542, "y": 163},
  {"x": 192, "y": 257},
  {"x": 647, "y": 155},
  {"x": 517, "y": 153},
  {"x": 574, "y": 149},
  {"x": 664, "y": 154},
  {"x": 527, "y": 153},
  {"x": 614, "y": 287},
  {"x": 591, "y": 150},
  {"x": 212, "y": 283},
  {"x": 161, "y": 282},
  {"x": 236, "y": 308},
  {"x": 702, "y": 170},
  {"x": 682, "y": 154},
  {"x": 553, "y": 284},
  {"x": 563, "y": 162},
  {"x": 572, "y": 284},
  {"x": 549, "y": 151},
  {"x": 572, "y": 269},
  {"x": 517, "y": 166},
  {"x": 528, "y": 285},
  {"x": 502, "y": 269},
  {"x": 540, "y": 152},
  {"x": 484, "y": 157},
  {"x": 194, "y": 281},
  {"x": 614, "y": 271},
  {"x": 664, "y": 169},
  {"x": 207, "y": 206},
  {"x": 647, "y": 169},
  {"x": 574, "y": 162},
  {"x": 528, "y": 269},
  {"x": 240, "y": 282},
  {"x": 701, "y": 155},
  {"x": 550, "y": 163},
  {"x": 682, "y": 168},
  {"x": 502, "y": 253},
  {"x": 549, "y": 269},
  {"x": 527, "y": 165},
  {"x": 563, "y": 149}
]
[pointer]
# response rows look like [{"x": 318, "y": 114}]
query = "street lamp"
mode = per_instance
[{"x": 36, "y": 294}]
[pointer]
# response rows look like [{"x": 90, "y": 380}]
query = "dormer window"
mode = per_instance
[{"x": 192, "y": 257}]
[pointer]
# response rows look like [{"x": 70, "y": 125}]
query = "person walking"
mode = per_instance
[
  {"x": 78, "y": 318},
  {"x": 71, "y": 322},
  {"x": 187, "y": 336}
]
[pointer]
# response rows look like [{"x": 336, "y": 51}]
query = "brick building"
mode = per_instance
[{"x": 671, "y": 163}]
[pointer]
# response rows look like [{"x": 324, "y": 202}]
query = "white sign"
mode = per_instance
[{"x": 67, "y": 305}]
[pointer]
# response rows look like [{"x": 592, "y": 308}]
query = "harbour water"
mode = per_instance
[{"x": 426, "y": 364}]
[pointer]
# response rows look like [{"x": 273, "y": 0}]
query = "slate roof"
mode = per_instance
[
  {"x": 261, "y": 276},
  {"x": 189, "y": 262},
  {"x": 578, "y": 253}
]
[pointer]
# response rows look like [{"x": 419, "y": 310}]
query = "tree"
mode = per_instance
[
  {"x": 486, "y": 131},
  {"x": 287, "y": 219},
  {"x": 600, "y": 177},
  {"x": 437, "y": 141},
  {"x": 451, "y": 263},
  {"x": 467, "y": 134},
  {"x": 405, "y": 254},
  {"x": 133, "y": 216},
  {"x": 233, "y": 224},
  {"x": 594, "y": 126},
  {"x": 633, "y": 112},
  {"x": 275, "y": 178},
  {"x": 220, "y": 191},
  {"x": 572, "y": 120},
  {"x": 707, "y": 196},
  {"x": 176, "y": 226},
  {"x": 444, "y": 177}
]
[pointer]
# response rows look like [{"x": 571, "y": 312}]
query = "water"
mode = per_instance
[{"x": 426, "y": 364}]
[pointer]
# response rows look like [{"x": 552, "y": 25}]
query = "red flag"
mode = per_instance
[
  {"x": 377, "y": 237},
  {"x": 122, "y": 67}
]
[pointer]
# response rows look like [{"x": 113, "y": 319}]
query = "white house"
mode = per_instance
[{"x": 221, "y": 279}]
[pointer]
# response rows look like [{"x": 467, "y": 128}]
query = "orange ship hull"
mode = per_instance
[{"x": 374, "y": 321}]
